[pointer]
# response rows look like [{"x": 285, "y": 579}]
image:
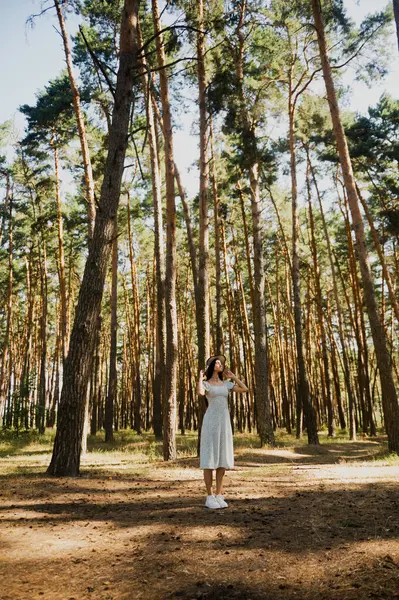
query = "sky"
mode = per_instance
[{"x": 30, "y": 57}]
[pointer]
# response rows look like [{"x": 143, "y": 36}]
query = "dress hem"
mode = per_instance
[{"x": 218, "y": 467}]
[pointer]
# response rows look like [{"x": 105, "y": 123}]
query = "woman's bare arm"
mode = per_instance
[
  {"x": 200, "y": 387},
  {"x": 239, "y": 386}
]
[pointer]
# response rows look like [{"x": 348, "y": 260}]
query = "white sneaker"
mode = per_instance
[
  {"x": 221, "y": 501},
  {"x": 211, "y": 502}
]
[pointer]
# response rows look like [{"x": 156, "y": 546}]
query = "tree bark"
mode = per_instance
[
  {"x": 202, "y": 284},
  {"x": 396, "y": 13},
  {"x": 112, "y": 379},
  {"x": 247, "y": 244},
  {"x": 67, "y": 446},
  {"x": 159, "y": 376},
  {"x": 61, "y": 259},
  {"x": 281, "y": 355},
  {"x": 41, "y": 409},
  {"x": 264, "y": 419},
  {"x": 358, "y": 325},
  {"x": 321, "y": 319},
  {"x": 303, "y": 399},
  {"x": 137, "y": 346},
  {"x": 6, "y": 342},
  {"x": 169, "y": 416},
  {"x": 89, "y": 182},
  {"x": 346, "y": 366},
  {"x": 381, "y": 256},
  {"x": 218, "y": 287},
  {"x": 388, "y": 391},
  {"x": 186, "y": 209}
]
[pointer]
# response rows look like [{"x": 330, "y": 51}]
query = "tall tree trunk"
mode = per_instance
[
  {"x": 202, "y": 285},
  {"x": 95, "y": 383},
  {"x": 320, "y": 315},
  {"x": 6, "y": 354},
  {"x": 246, "y": 328},
  {"x": 132, "y": 362},
  {"x": 396, "y": 13},
  {"x": 264, "y": 418},
  {"x": 159, "y": 377},
  {"x": 24, "y": 388},
  {"x": 380, "y": 252},
  {"x": 218, "y": 319},
  {"x": 135, "y": 339},
  {"x": 89, "y": 182},
  {"x": 247, "y": 244},
  {"x": 169, "y": 416},
  {"x": 389, "y": 395},
  {"x": 358, "y": 325},
  {"x": 346, "y": 369},
  {"x": 335, "y": 357},
  {"x": 282, "y": 362},
  {"x": 186, "y": 209},
  {"x": 303, "y": 399},
  {"x": 229, "y": 302},
  {"x": 137, "y": 349},
  {"x": 41, "y": 409},
  {"x": 112, "y": 379},
  {"x": 61, "y": 259},
  {"x": 67, "y": 446},
  {"x": 55, "y": 391}
]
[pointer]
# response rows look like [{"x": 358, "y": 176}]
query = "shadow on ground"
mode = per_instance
[
  {"x": 309, "y": 531},
  {"x": 295, "y": 522}
]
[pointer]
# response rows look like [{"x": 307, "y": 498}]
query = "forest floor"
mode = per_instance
[{"x": 303, "y": 522}]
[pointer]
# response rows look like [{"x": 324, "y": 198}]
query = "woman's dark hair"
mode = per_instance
[{"x": 210, "y": 369}]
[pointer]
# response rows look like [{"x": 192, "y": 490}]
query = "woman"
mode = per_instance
[{"x": 216, "y": 448}]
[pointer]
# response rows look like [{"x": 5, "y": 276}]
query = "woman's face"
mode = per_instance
[{"x": 219, "y": 368}]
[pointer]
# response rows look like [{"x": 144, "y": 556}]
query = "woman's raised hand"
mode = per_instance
[{"x": 228, "y": 373}]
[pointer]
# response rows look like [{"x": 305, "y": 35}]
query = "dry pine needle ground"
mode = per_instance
[{"x": 303, "y": 522}]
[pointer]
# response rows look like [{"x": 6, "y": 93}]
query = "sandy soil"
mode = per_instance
[{"x": 302, "y": 523}]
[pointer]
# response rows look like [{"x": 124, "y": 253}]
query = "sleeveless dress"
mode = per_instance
[{"x": 216, "y": 448}]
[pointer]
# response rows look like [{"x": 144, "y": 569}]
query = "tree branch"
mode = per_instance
[
  {"x": 131, "y": 133},
  {"x": 175, "y": 62},
  {"x": 303, "y": 88},
  {"x": 152, "y": 38},
  {"x": 359, "y": 49},
  {"x": 31, "y": 20},
  {"x": 97, "y": 62}
]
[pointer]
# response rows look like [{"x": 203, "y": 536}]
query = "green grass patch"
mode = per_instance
[
  {"x": 25, "y": 442},
  {"x": 386, "y": 457},
  {"x": 128, "y": 441},
  {"x": 28, "y": 452}
]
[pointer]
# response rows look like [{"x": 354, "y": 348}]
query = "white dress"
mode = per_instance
[{"x": 216, "y": 448}]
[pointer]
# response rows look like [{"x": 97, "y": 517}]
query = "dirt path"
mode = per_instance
[{"x": 301, "y": 524}]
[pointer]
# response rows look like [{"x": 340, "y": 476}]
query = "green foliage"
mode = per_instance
[
  {"x": 371, "y": 35},
  {"x": 279, "y": 57},
  {"x": 376, "y": 137},
  {"x": 51, "y": 120},
  {"x": 374, "y": 145},
  {"x": 101, "y": 42}
]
